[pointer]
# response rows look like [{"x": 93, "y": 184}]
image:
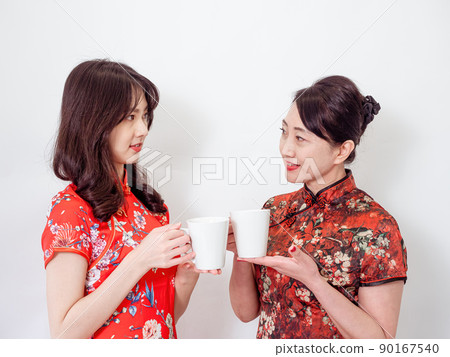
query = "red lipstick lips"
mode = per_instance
[
  {"x": 291, "y": 167},
  {"x": 136, "y": 147}
]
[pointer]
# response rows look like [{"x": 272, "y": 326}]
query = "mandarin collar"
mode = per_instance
[{"x": 331, "y": 192}]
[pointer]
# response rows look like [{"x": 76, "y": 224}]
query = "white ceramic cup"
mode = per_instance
[
  {"x": 209, "y": 241},
  {"x": 251, "y": 232}
]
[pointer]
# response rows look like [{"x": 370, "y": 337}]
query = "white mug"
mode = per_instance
[
  {"x": 251, "y": 232},
  {"x": 209, "y": 241}
]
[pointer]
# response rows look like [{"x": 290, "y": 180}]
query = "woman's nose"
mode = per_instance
[
  {"x": 287, "y": 148},
  {"x": 142, "y": 129}
]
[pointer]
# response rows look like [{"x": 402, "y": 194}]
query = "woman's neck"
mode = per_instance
[
  {"x": 120, "y": 172},
  {"x": 328, "y": 179}
]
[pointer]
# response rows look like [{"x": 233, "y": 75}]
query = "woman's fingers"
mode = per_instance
[
  {"x": 259, "y": 261},
  {"x": 180, "y": 250},
  {"x": 231, "y": 242},
  {"x": 269, "y": 261},
  {"x": 168, "y": 228},
  {"x": 232, "y": 247},
  {"x": 295, "y": 252},
  {"x": 212, "y": 271},
  {"x": 167, "y": 232},
  {"x": 302, "y": 257},
  {"x": 181, "y": 260},
  {"x": 230, "y": 228},
  {"x": 188, "y": 266},
  {"x": 176, "y": 233},
  {"x": 179, "y": 241},
  {"x": 173, "y": 226}
]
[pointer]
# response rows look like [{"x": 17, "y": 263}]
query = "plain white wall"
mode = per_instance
[{"x": 226, "y": 72}]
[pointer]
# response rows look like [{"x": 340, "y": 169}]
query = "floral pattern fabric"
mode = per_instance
[
  {"x": 147, "y": 311},
  {"x": 354, "y": 242}
]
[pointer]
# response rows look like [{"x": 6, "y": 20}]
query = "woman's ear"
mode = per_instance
[{"x": 344, "y": 151}]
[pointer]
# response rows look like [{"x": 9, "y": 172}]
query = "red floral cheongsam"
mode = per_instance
[
  {"x": 147, "y": 311},
  {"x": 352, "y": 238}
]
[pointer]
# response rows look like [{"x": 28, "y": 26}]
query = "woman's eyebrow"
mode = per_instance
[{"x": 296, "y": 127}]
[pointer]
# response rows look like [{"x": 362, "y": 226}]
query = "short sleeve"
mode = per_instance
[
  {"x": 384, "y": 258},
  {"x": 67, "y": 228}
]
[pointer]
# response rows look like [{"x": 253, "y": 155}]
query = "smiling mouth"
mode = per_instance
[
  {"x": 136, "y": 147},
  {"x": 290, "y": 166}
]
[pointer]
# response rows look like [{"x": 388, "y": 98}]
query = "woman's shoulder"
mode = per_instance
[
  {"x": 366, "y": 207},
  {"x": 67, "y": 200},
  {"x": 69, "y": 225}
]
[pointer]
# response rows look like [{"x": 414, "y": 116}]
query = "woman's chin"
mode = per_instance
[
  {"x": 132, "y": 160},
  {"x": 294, "y": 179}
]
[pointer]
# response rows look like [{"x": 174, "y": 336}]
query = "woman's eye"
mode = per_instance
[
  {"x": 283, "y": 132},
  {"x": 299, "y": 138},
  {"x": 130, "y": 117},
  {"x": 146, "y": 117}
]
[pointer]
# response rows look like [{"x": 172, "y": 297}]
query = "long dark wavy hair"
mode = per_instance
[
  {"x": 334, "y": 109},
  {"x": 97, "y": 96}
]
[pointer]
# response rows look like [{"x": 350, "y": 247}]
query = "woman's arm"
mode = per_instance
[
  {"x": 185, "y": 281},
  {"x": 376, "y": 316},
  {"x": 73, "y": 315},
  {"x": 244, "y": 294},
  {"x": 379, "y": 306}
]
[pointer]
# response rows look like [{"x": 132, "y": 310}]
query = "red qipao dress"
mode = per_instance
[
  {"x": 354, "y": 241},
  {"x": 147, "y": 311}
]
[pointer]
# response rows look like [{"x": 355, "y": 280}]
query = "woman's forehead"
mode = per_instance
[
  {"x": 138, "y": 99},
  {"x": 293, "y": 120}
]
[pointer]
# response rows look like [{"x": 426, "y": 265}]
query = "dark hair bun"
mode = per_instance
[{"x": 370, "y": 108}]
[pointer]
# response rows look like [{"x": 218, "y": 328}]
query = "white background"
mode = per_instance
[{"x": 226, "y": 72}]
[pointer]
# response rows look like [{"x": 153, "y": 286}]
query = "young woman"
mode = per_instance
[
  {"x": 115, "y": 267},
  {"x": 336, "y": 262}
]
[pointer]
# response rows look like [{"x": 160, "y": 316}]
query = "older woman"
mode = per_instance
[{"x": 336, "y": 262}]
